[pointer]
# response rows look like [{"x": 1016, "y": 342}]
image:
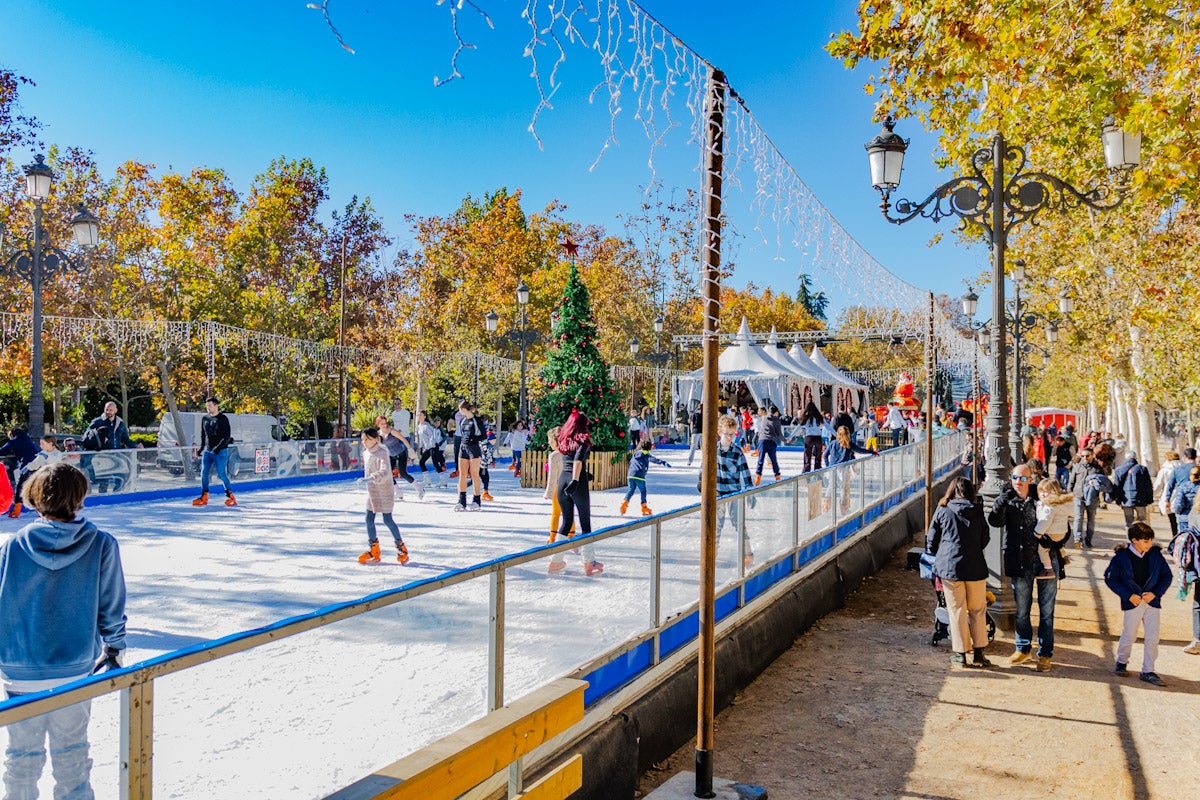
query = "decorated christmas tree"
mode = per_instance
[{"x": 575, "y": 376}]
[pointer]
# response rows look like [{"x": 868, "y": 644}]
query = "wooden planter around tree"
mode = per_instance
[{"x": 605, "y": 473}]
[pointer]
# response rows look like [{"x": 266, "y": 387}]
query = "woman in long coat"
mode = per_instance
[{"x": 381, "y": 498}]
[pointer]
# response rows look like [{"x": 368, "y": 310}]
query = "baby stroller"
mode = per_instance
[{"x": 941, "y": 617}]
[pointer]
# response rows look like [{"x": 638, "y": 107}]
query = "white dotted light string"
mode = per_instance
[
  {"x": 163, "y": 336},
  {"x": 638, "y": 53}
]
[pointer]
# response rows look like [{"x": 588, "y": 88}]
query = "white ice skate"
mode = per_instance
[{"x": 420, "y": 487}]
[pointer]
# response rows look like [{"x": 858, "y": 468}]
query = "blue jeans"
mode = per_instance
[
  {"x": 372, "y": 538},
  {"x": 636, "y": 485},
  {"x": 1062, "y": 475},
  {"x": 1047, "y": 593},
  {"x": 219, "y": 461},
  {"x": 1085, "y": 521},
  {"x": 66, "y": 729},
  {"x": 766, "y": 449}
]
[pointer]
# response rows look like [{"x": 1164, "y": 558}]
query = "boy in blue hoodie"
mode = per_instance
[
  {"x": 1139, "y": 575},
  {"x": 62, "y": 618}
]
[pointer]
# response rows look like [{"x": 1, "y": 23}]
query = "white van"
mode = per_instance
[{"x": 249, "y": 432}]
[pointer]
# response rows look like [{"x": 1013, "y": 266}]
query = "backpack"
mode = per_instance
[{"x": 91, "y": 440}]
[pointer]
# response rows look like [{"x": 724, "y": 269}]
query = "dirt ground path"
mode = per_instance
[{"x": 863, "y": 707}]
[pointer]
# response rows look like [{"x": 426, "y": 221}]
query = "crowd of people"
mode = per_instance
[{"x": 1043, "y": 515}]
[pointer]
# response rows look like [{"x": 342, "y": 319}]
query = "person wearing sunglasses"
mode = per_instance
[{"x": 1015, "y": 510}]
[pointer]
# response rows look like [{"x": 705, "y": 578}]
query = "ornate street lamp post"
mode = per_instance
[
  {"x": 521, "y": 336},
  {"x": 37, "y": 261},
  {"x": 998, "y": 202},
  {"x": 658, "y": 358}
]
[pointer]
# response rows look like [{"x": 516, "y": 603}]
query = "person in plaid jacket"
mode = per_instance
[{"x": 733, "y": 475}]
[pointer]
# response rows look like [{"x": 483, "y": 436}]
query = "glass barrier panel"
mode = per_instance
[
  {"x": 290, "y": 717},
  {"x": 680, "y": 553},
  {"x": 558, "y": 618},
  {"x": 850, "y": 489},
  {"x": 816, "y": 515},
  {"x": 769, "y": 522},
  {"x": 91, "y": 729},
  {"x": 873, "y": 476}
]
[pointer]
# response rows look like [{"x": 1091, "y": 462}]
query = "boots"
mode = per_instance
[
  {"x": 980, "y": 659},
  {"x": 624, "y": 507},
  {"x": 402, "y": 553},
  {"x": 229, "y": 501},
  {"x": 202, "y": 500},
  {"x": 646, "y": 510},
  {"x": 371, "y": 556},
  {"x": 517, "y": 472},
  {"x": 15, "y": 511},
  {"x": 487, "y": 495}
]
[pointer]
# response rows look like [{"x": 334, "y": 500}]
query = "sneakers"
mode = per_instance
[
  {"x": 229, "y": 501},
  {"x": 487, "y": 496},
  {"x": 1193, "y": 649},
  {"x": 202, "y": 500},
  {"x": 1121, "y": 671},
  {"x": 15, "y": 511},
  {"x": 371, "y": 556},
  {"x": 1043, "y": 664},
  {"x": 556, "y": 566},
  {"x": 1152, "y": 678},
  {"x": 1078, "y": 545},
  {"x": 460, "y": 507},
  {"x": 646, "y": 510},
  {"x": 1020, "y": 657},
  {"x": 595, "y": 568},
  {"x": 401, "y": 553},
  {"x": 758, "y": 479},
  {"x": 624, "y": 507}
]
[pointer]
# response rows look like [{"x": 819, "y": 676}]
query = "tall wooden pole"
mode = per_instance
[{"x": 710, "y": 241}]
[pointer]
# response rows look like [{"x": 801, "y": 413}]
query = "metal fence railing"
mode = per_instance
[{"x": 310, "y": 704}]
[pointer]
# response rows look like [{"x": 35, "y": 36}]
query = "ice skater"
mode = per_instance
[
  {"x": 770, "y": 437},
  {"x": 381, "y": 496},
  {"x": 397, "y": 445},
  {"x": 575, "y": 444},
  {"x": 639, "y": 465},
  {"x": 733, "y": 476},
  {"x": 518, "y": 438},
  {"x": 429, "y": 439},
  {"x": 554, "y": 463},
  {"x": 486, "y": 460},
  {"x": 213, "y": 450},
  {"x": 470, "y": 433}
]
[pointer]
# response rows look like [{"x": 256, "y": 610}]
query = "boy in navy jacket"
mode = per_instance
[
  {"x": 62, "y": 617},
  {"x": 1138, "y": 574}
]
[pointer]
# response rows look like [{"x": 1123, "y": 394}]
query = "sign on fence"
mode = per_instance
[{"x": 262, "y": 461}]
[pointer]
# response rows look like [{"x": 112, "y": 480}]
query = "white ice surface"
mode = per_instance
[{"x": 309, "y": 714}]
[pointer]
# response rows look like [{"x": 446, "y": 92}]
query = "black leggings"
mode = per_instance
[
  {"x": 580, "y": 501},
  {"x": 813, "y": 447},
  {"x": 400, "y": 465}
]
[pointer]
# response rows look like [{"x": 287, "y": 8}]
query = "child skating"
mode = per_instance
[
  {"x": 639, "y": 465},
  {"x": 486, "y": 460},
  {"x": 381, "y": 497},
  {"x": 733, "y": 476},
  {"x": 518, "y": 438},
  {"x": 1138, "y": 574}
]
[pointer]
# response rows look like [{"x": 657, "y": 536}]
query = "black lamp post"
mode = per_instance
[
  {"x": 998, "y": 202},
  {"x": 1020, "y": 320},
  {"x": 37, "y": 261},
  {"x": 658, "y": 358},
  {"x": 522, "y": 336}
]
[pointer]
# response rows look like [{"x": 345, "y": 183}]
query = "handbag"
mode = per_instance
[{"x": 925, "y": 566}]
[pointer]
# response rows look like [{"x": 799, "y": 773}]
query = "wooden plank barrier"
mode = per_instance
[
  {"x": 605, "y": 473},
  {"x": 462, "y": 760}
]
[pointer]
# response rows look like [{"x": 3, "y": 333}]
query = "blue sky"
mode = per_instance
[{"x": 234, "y": 84}]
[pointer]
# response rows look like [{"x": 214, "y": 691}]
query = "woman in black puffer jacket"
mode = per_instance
[{"x": 957, "y": 537}]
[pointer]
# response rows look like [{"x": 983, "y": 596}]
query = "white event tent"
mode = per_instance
[
  {"x": 771, "y": 376},
  {"x": 847, "y": 392}
]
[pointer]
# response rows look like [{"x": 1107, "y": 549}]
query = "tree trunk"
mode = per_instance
[
  {"x": 1093, "y": 411},
  {"x": 185, "y": 455}
]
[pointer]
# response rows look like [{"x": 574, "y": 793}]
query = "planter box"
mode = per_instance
[{"x": 605, "y": 473}]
